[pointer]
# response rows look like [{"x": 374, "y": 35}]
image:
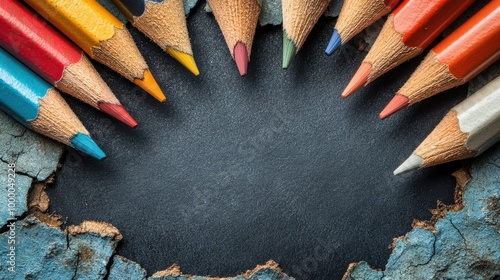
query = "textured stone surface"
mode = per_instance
[
  {"x": 44, "y": 252},
  {"x": 463, "y": 244},
  {"x": 268, "y": 271},
  {"x": 34, "y": 156},
  {"x": 124, "y": 269}
]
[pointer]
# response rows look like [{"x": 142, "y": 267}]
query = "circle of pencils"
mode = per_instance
[
  {"x": 102, "y": 36},
  {"x": 49, "y": 54}
]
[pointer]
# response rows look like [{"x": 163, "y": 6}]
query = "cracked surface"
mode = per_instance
[
  {"x": 35, "y": 156},
  {"x": 461, "y": 244}
]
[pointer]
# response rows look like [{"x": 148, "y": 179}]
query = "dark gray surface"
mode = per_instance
[{"x": 234, "y": 171}]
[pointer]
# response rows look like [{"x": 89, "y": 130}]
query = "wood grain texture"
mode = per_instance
[
  {"x": 164, "y": 23},
  {"x": 356, "y": 15},
  {"x": 237, "y": 20},
  {"x": 56, "y": 119},
  {"x": 388, "y": 51},
  {"x": 299, "y": 18},
  {"x": 82, "y": 81},
  {"x": 445, "y": 143},
  {"x": 102, "y": 36},
  {"x": 430, "y": 77},
  {"x": 121, "y": 54}
]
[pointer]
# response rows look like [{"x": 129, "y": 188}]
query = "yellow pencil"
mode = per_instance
[
  {"x": 163, "y": 21},
  {"x": 102, "y": 36}
]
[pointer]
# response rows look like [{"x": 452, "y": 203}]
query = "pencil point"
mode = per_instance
[
  {"x": 397, "y": 103},
  {"x": 185, "y": 59},
  {"x": 359, "y": 79},
  {"x": 150, "y": 85},
  {"x": 414, "y": 162},
  {"x": 334, "y": 43},
  {"x": 85, "y": 144},
  {"x": 118, "y": 112},
  {"x": 289, "y": 50},
  {"x": 241, "y": 58}
]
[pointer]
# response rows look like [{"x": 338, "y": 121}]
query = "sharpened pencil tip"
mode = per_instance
[
  {"x": 397, "y": 103},
  {"x": 185, "y": 59},
  {"x": 289, "y": 50},
  {"x": 241, "y": 58},
  {"x": 414, "y": 162},
  {"x": 334, "y": 43},
  {"x": 84, "y": 143},
  {"x": 358, "y": 80},
  {"x": 150, "y": 85},
  {"x": 118, "y": 112}
]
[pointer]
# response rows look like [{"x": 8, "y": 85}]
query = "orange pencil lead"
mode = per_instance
[
  {"x": 119, "y": 113},
  {"x": 397, "y": 103},
  {"x": 241, "y": 58},
  {"x": 149, "y": 84},
  {"x": 359, "y": 79}
]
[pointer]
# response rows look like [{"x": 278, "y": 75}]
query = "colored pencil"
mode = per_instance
[
  {"x": 299, "y": 18},
  {"x": 454, "y": 61},
  {"x": 102, "y": 36},
  {"x": 409, "y": 29},
  {"x": 237, "y": 20},
  {"x": 355, "y": 16},
  {"x": 33, "y": 102},
  {"x": 466, "y": 131},
  {"x": 163, "y": 21},
  {"x": 49, "y": 54}
]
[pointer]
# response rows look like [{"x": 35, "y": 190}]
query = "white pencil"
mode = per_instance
[{"x": 466, "y": 131}]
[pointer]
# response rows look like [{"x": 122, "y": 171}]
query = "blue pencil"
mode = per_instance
[{"x": 38, "y": 106}]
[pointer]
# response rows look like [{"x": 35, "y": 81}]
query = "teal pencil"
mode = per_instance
[{"x": 38, "y": 106}]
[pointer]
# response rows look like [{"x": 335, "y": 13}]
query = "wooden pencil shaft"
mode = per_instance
[
  {"x": 356, "y": 15},
  {"x": 49, "y": 54},
  {"x": 467, "y": 130},
  {"x": 97, "y": 32},
  {"x": 459, "y": 57},
  {"x": 162, "y": 21},
  {"x": 409, "y": 30},
  {"x": 237, "y": 20},
  {"x": 36, "y": 104},
  {"x": 300, "y": 16},
  {"x": 445, "y": 143}
]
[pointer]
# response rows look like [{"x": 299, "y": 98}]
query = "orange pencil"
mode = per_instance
[
  {"x": 456, "y": 60},
  {"x": 407, "y": 32}
]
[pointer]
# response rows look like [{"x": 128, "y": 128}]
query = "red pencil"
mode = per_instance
[
  {"x": 45, "y": 51},
  {"x": 456, "y": 60},
  {"x": 409, "y": 29}
]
